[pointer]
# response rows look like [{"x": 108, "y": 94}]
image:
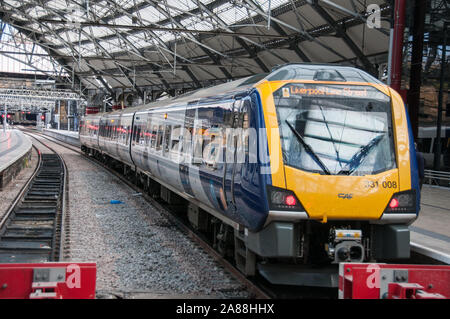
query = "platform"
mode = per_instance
[
  {"x": 70, "y": 137},
  {"x": 15, "y": 151},
  {"x": 431, "y": 230}
]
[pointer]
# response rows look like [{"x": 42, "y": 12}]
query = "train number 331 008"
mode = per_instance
[{"x": 384, "y": 184}]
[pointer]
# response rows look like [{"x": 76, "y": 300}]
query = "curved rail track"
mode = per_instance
[{"x": 32, "y": 228}]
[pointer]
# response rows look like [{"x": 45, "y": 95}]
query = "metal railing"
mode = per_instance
[{"x": 440, "y": 178}]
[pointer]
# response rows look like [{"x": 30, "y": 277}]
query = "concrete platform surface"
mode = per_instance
[
  {"x": 432, "y": 228},
  {"x": 13, "y": 145},
  {"x": 69, "y": 137},
  {"x": 63, "y": 132}
]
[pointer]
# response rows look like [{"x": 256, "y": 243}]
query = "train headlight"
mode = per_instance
[
  {"x": 283, "y": 199},
  {"x": 402, "y": 202}
]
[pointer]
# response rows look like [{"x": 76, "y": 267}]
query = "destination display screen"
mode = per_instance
[{"x": 335, "y": 129}]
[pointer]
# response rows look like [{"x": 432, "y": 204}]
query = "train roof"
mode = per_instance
[{"x": 290, "y": 71}]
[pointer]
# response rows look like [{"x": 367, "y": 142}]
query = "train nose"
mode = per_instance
[{"x": 331, "y": 197}]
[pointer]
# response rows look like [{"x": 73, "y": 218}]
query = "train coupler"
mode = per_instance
[{"x": 345, "y": 245}]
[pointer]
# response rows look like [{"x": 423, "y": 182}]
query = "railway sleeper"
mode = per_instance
[
  {"x": 38, "y": 233},
  {"x": 24, "y": 257}
]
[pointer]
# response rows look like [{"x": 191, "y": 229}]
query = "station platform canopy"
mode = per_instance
[{"x": 186, "y": 44}]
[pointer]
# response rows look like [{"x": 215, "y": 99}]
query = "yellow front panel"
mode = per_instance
[
  {"x": 336, "y": 196},
  {"x": 342, "y": 197},
  {"x": 402, "y": 140},
  {"x": 273, "y": 134}
]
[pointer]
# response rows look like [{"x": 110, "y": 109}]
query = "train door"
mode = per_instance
[
  {"x": 231, "y": 157},
  {"x": 195, "y": 183},
  {"x": 185, "y": 164}
]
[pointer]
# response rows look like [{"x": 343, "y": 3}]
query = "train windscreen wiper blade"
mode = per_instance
[
  {"x": 308, "y": 149},
  {"x": 358, "y": 158}
]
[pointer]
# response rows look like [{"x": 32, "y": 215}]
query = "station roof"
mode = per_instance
[{"x": 187, "y": 44}]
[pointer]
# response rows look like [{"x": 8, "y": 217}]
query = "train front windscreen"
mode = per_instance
[{"x": 335, "y": 129}]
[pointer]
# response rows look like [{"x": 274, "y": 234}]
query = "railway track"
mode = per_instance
[{"x": 32, "y": 229}]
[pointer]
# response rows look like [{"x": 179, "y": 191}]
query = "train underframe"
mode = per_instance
[{"x": 301, "y": 253}]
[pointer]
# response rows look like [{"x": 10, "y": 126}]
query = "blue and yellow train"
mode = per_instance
[{"x": 307, "y": 166}]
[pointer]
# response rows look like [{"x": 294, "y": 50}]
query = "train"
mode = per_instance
[
  {"x": 289, "y": 173},
  {"x": 426, "y": 144}
]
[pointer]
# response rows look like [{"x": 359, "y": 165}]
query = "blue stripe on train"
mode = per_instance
[
  {"x": 413, "y": 163},
  {"x": 264, "y": 162}
]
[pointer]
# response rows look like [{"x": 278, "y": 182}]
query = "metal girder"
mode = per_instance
[
  {"x": 345, "y": 37},
  {"x": 52, "y": 95},
  {"x": 38, "y": 39},
  {"x": 139, "y": 91},
  {"x": 102, "y": 81},
  {"x": 209, "y": 51},
  {"x": 17, "y": 99},
  {"x": 239, "y": 39},
  {"x": 155, "y": 67},
  {"x": 292, "y": 44},
  {"x": 165, "y": 29},
  {"x": 174, "y": 20}
]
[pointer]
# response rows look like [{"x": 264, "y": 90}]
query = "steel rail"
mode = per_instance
[{"x": 59, "y": 224}]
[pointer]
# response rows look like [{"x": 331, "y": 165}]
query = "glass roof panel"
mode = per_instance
[
  {"x": 18, "y": 62},
  {"x": 230, "y": 13},
  {"x": 15, "y": 3},
  {"x": 152, "y": 15},
  {"x": 273, "y": 4},
  {"x": 58, "y": 5}
]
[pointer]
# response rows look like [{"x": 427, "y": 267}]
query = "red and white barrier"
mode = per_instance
[
  {"x": 393, "y": 281},
  {"x": 59, "y": 280}
]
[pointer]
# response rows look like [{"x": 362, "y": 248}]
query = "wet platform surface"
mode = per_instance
[
  {"x": 62, "y": 132},
  {"x": 432, "y": 228},
  {"x": 13, "y": 145},
  {"x": 69, "y": 137}
]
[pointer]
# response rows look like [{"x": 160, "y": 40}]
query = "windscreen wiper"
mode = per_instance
[
  {"x": 358, "y": 158},
  {"x": 331, "y": 136},
  {"x": 308, "y": 149}
]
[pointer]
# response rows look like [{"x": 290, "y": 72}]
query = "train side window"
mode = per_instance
[
  {"x": 154, "y": 135},
  {"x": 127, "y": 134},
  {"x": 159, "y": 138},
  {"x": 212, "y": 146},
  {"x": 148, "y": 131},
  {"x": 197, "y": 142},
  {"x": 187, "y": 141},
  {"x": 167, "y": 138},
  {"x": 176, "y": 138},
  {"x": 134, "y": 130},
  {"x": 137, "y": 134}
]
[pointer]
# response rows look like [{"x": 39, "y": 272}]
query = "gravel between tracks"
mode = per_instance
[{"x": 137, "y": 250}]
